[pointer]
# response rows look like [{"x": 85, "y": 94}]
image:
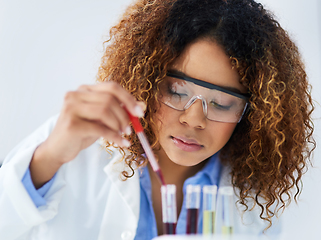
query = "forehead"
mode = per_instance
[{"x": 206, "y": 60}]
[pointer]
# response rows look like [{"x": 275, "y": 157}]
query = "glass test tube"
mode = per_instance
[
  {"x": 193, "y": 198},
  {"x": 226, "y": 193},
  {"x": 169, "y": 208},
  {"x": 209, "y": 208}
]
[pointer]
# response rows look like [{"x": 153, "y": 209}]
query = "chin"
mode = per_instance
[{"x": 185, "y": 162}]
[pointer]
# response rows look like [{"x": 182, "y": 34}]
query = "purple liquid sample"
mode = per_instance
[
  {"x": 160, "y": 176},
  {"x": 170, "y": 228},
  {"x": 191, "y": 220}
]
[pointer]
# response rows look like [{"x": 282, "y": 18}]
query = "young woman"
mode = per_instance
[{"x": 223, "y": 98}]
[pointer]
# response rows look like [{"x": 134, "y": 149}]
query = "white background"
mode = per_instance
[{"x": 50, "y": 47}]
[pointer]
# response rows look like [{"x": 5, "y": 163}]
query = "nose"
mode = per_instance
[{"x": 194, "y": 115}]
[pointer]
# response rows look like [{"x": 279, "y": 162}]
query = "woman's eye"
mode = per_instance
[
  {"x": 174, "y": 93},
  {"x": 216, "y": 105}
]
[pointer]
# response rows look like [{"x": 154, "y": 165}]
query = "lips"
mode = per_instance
[{"x": 186, "y": 144}]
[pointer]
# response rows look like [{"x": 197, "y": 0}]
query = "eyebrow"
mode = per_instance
[{"x": 230, "y": 90}]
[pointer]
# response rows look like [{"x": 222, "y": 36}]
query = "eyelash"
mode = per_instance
[
  {"x": 221, "y": 107},
  {"x": 172, "y": 92}
]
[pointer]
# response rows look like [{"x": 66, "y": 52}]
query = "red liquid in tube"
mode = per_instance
[
  {"x": 170, "y": 228},
  {"x": 191, "y": 220},
  {"x": 160, "y": 176}
]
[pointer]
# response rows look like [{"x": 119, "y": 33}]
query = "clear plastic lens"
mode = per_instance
[{"x": 217, "y": 105}]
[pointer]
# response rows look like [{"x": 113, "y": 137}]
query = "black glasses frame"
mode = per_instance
[{"x": 209, "y": 85}]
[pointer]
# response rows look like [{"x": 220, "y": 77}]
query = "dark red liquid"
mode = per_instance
[
  {"x": 169, "y": 228},
  {"x": 160, "y": 176},
  {"x": 191, "y": 220}
]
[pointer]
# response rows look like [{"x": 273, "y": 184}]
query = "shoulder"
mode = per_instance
[{"x": 247, "y": 220}]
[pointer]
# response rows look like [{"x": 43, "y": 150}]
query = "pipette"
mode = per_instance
[{"x": 146, "y": 146}]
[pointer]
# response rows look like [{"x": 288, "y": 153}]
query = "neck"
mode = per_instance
[{"x": 174, "y": 173}]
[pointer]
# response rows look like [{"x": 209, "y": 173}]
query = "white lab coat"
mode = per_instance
[{"x": 87, "y": 200}]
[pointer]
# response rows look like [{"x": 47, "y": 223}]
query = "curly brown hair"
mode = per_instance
[{"x": 271, "y": 147}]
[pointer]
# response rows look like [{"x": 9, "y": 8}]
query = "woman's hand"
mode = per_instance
[{"x": 91, "y": 112}]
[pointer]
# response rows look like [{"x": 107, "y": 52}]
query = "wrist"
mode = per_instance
[{"x": 43, "y": 166}]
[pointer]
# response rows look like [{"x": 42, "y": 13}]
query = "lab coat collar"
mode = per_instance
[
  {"x": 125, "y": 187},
  {"x": 123, "y": 200}
]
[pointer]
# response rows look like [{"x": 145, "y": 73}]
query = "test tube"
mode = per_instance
[
  {"x": 209, "y": 209},
  {"x": 193, "y": 198},
  {"x": 169, "y": 208},
  {"x": 226, "y": 193}
]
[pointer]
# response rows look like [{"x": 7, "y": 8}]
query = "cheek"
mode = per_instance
[
  {"x": 222, "y": 132},
  {"x": 163, "y": 117}
]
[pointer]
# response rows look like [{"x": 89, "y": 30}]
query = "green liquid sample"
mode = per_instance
[
  {"x": 208, "y": 222},
  {"x": 227, "y": 230}
]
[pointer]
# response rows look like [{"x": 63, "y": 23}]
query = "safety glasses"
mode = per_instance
[{"x": 219, "y": 104}]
